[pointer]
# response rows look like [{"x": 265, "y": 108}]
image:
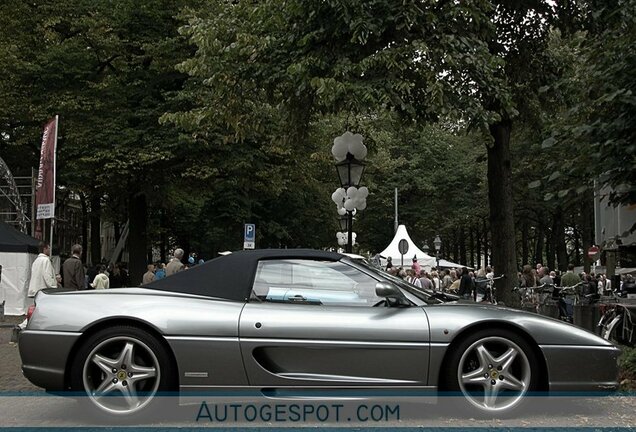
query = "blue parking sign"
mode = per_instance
[{"x": 249, "y": 237}]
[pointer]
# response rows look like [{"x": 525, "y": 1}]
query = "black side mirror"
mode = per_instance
[{"x": 385, "y": 289}]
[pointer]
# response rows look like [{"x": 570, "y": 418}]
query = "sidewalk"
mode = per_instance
[
  {"x": 11, "y": 378},
  {"x": 11, "y": 321}
]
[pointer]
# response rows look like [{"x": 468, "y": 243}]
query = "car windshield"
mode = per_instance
[{"x": 425, "y": 295}]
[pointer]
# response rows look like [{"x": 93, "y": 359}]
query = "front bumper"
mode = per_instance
[
  {"x": 44, "y": 357},
  {"x": 574, "y": 368}
]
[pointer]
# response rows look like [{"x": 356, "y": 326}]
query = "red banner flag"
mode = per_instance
[{"x": 45, "y": 187}]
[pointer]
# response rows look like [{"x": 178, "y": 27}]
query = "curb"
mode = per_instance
[{"x": 7, "y": 325}]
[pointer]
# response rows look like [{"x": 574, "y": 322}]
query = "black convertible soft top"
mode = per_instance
[{"x": 231, "y": 276}]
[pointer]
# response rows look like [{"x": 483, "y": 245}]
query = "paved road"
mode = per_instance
[
  {"x": 11, "y": 379},
  {"x": 22, "y": 404}
]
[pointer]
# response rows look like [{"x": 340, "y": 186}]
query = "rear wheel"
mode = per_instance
[
  {"x": 121, "y": 369},
  {"x": 494, "y": 370}
]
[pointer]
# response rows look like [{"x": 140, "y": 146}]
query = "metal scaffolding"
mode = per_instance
[{"x": 11, "y": 204}]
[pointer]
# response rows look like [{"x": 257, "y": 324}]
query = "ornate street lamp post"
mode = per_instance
[
  {"x": 438, "y": 246},
  {"x": 349, "y": 152}
]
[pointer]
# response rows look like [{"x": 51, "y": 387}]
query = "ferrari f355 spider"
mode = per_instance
[{"x": 300, "y": 319}]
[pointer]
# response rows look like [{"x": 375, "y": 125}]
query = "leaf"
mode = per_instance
[
  {"x": 581, "y": 189},
  {"x": 549, "y": 142},
  {"x": 555, "y": 175},
  {"x": 534, "y": 184},
  {"x": 548, "y": 196},
  {"x": 562, "y": 193},
  {"x": 544, "y": 89}
]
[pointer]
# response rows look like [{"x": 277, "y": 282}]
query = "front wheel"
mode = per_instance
[
  {"x": 121, "y": 370},
  {"x": 493, "y": 370}
]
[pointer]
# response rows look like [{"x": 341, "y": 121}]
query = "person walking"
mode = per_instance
[
  {"x": 481, "y": 286},
  {"x": 101, "y": 280},
  {"x": 544, "y": 276},
  {"x": 569, "y": 278},
  {"x": 160, "y": 273},
  {"x": 42, "y": 272},
  {"x": 149, "y": 276},
  {"x": 73, "y": 270},
  {"x": 175, "y": 265},
  {"x": 417, "y": 269},
  {"x": 446, "y": 280},
  {"x": 42, "y": 276},
  {"x": 412, "y": 279},
  {"x": 466, "y": 284}
]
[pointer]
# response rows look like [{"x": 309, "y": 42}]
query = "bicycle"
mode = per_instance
[
  {"x": 533, "y": 297},
  {"x": 490, "y": 292},
  {"x": 618, "y": 324}
]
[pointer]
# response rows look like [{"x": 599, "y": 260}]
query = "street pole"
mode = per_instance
[
  {"x": 348, "y": 247},
  {"x": 395, "y": 226}
]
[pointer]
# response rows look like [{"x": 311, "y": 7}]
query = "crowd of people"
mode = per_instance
[
  {"x": 461, "y": 281},
  {"x": 473, "y": 284},
  {"x": 76, "y": 275}
]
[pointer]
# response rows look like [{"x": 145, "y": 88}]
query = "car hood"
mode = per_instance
[{"x": 449, "y": 319}]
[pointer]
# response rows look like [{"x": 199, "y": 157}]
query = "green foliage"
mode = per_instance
[
  {"x": 627, "y": 364},
  {"x": 597, "y": 126},
  {"x": 224, "y": 112}
]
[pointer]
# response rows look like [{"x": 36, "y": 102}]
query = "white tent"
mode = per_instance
[
  {"x": 426, "y": 261},
  {"x": 450, "y": 265},
  {"x": 17, "y": 253},
  {"x": 393, "y": 251}
]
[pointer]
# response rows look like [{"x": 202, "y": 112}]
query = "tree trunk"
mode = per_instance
[
  {"x": 84, "y": 205},
  {"x": 478, "y": 246},
  {"x": 502, "y": 223},
  {"x": 559, "y": 240},
  {"x": 487, "y": 261},
  {"x": 577, "y": 247},
  {"x": 587, "y": 228},
  {"x": 550, "y": 254},
  {"x": 524, "y": 242},
  {"x": 462, "y": 247},
  {"x": 540, "y": 244},
  {"x": 95, "y": 216},
  {"x": 455, "y": 246},
  {"x": 163, "y": 247},
  {"x": 117, "y": 227},
  {"x": 138, "y": 215},
  {"x": 471, "y": 247}
]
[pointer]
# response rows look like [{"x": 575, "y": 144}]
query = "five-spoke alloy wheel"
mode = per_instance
[
  {"x": 494, "y": 370},
  {"x": 121, "y": 369}
]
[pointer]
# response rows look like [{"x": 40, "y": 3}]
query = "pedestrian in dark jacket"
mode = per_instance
[
  {"x": 466, "y": 284},
  {"x": 73, "y": 270}
]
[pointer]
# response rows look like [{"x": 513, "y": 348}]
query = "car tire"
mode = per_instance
[
  {"x": 122, "y": 372},
  {"x": 491, "y": 371}
]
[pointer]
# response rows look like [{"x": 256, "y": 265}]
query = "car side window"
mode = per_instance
[{"x": 313, "y": 282}]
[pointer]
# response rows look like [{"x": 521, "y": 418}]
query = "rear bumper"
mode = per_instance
[
  {"x": 44, "y": 357},
  {"x": 574, "y": 368}
]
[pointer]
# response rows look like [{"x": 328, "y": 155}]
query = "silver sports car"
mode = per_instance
[{"x": 270, "y": 320}]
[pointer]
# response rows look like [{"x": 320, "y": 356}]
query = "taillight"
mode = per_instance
[{"x": 30, "y": 311}]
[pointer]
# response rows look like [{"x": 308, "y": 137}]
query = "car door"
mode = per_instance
[{"x": 314, "y": 323}]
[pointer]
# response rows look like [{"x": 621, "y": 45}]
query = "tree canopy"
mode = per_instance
[{"x": 492, "y": 118}]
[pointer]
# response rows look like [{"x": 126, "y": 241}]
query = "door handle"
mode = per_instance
[{"x": 297, "y": 298}]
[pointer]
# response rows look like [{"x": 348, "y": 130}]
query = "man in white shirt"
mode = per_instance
[
  {"x": 42, "y": 275},
  {"x": 42, "y": 272}
]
